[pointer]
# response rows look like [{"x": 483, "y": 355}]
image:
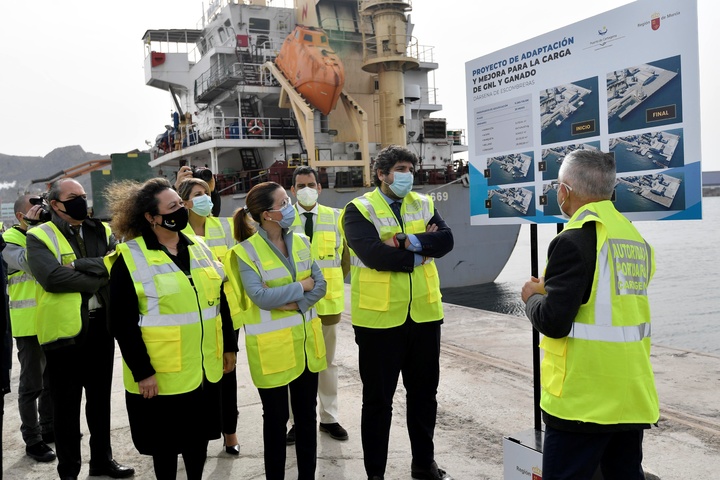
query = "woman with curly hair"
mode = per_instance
[{"x": 171, "y": 321}]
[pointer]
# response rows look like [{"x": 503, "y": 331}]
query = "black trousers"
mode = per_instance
[
  {"x": 413, "y": 349},
  {"x": 576, "y": 456},
  {"x": 229, "y": 399},
  {"x": 86, "y": 365},
  {"x": 303, "y": 395}
]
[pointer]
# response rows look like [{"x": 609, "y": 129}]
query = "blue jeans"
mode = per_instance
[{"x": 576, "y": 456}]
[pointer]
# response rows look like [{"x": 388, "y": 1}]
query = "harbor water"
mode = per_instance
[{"x": 685, "y": 308}]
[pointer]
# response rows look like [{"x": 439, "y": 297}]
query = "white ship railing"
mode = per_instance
[{"x": 227, "y": 128}]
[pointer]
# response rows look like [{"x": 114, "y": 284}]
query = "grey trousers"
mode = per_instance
[{"x": 34, "y": 402}]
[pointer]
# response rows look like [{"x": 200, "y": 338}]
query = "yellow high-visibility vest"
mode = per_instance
[
  {"x": 327, "y": 249},
  {"x": 218, "y": 235},
  {"x": 180, "y": 321},
  {"x": 601, "y": 372},
  {"x": 21, "y": 292},
  {"x": 279, "y": 343},
  {"x": 382, "y": 299}
]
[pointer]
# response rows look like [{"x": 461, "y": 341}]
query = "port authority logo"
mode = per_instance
[{"x": 655, "y": 21}]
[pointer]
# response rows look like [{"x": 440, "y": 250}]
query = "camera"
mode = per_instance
[
  {"x": 203, "y": 173},
  {"x": 45, "y": 215}
]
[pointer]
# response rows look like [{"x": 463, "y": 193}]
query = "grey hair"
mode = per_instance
[
  {"x": 590, "y": 173},
  {"x": 54, "y": 192}
]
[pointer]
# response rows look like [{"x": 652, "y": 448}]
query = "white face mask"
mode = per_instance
[
  {"x": 307, "y": 196},
  {"x": 569, "y": 189}
]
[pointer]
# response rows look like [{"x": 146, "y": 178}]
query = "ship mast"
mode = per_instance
[{"x": 388, "y": 52}]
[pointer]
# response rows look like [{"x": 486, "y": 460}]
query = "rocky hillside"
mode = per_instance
[{"x": 22, "y": 170}]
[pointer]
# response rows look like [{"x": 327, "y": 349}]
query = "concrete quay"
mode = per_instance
[{"x": 485, "y": 393}]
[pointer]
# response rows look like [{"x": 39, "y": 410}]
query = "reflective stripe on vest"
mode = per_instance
[
  {"x": 22, "y": 290},
  {"x": 154, "y": 318},
  {"x": 279, "y": 343},
  {"x": 58, "y": 314},
  {"x": 601, "y": 372},
  {"x": 327, "y": 251},
  {"x": 178, "y": 315},
  {"x": 383, "y": 299}
]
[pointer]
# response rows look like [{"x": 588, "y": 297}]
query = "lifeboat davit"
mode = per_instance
[{"x": 312, "y": 67}]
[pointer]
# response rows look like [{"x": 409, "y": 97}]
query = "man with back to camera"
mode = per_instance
[
  {"x": 320, "y": 224},
  {"x": 598, "y": 389},
  {"x": 34, "y": 399},
  {"x": 66, "y": 258},
  {"x": 394, "y": 235}
]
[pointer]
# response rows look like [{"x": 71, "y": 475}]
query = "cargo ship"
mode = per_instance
[{"x": 259, "y": 89}]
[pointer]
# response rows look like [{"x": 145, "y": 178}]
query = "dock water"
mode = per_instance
[{"x": 485, "y": 393}]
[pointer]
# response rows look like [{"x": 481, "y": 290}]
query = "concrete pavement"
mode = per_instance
[{"x": 485, "y": 393}]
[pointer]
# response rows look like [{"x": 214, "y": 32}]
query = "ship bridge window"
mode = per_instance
[
  {"x": 308, "y": 37},
  {"x": 259, "y": 25},
  {"x": 222, "y": 35}
]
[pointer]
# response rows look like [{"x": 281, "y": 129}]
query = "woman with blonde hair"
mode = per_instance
[
  {"x": 217, "y": 232},
  {"x": 171, "y": 321},
  {"x": 273, "y": 285}
]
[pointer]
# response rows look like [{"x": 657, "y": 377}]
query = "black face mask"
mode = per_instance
[
  {"x": 76, "y": 208},
  {"x": 175, "y": 221}
]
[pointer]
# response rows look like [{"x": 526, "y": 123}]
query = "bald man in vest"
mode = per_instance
[
  {"x": 598, "y": 389},
  {"x": 65, "y": 256},
  {"x": 34, "y": 399}
]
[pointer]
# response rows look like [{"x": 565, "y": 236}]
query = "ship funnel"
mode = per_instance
[{"x": 388, "y": 51}]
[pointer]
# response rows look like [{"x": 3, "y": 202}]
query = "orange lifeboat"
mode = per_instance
[{"x": 312, "y": 67}]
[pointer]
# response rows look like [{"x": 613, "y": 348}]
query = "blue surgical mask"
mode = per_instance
[
  {"x": 402, "y": 183},
  {"x": 202, "y": 205},
  {"x": 288, "y": 216}
]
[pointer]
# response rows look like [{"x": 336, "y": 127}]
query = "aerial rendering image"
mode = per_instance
[
  {"x": 644, "y": 96},
  {"x": 549, "y": 199},
  {"x": 511, "y": 168},
  {"x": 552, "y": 158},
  {"x": 648, "y": 151},
  {"x": 511, "y": 202},
  {"x": 650, "y": 193},
  {"x": 570, "y": 111}
]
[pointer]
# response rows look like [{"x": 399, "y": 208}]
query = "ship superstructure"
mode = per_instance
[{"x": 238, "y": 115}]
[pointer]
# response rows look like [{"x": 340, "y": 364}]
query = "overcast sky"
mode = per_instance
[{"x": 73, "y": 70}]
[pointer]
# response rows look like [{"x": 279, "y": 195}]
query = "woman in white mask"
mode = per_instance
[{"x": 217, "y": 232}]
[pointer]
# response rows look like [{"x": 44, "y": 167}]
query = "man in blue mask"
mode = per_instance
[{"x": 395, "y": 235}]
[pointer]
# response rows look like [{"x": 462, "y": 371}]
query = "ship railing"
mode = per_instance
[
  {"x": 225, "y": 128},
  {"x": 374, "y": 50},
  {"x": 226, "y": 76}
]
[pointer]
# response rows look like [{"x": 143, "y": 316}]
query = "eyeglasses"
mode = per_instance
[
  {"x": 557, "y": 186},
  {"x": 283, "y": 205}
]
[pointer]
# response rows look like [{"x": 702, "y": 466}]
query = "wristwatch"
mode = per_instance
[{"x": 400, "y": 240}]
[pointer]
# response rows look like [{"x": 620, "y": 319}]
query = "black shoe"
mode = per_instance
[
  {"x": 40, "y": 452},
  {"x": 112, "y": 469},
  {"x": 430, "y": 473},
  {"x": 290, "y": 437},
  {"x": 231, "y": 449},
  {"x": 334, "y": 430},
  {"x": 48, "y": 437}
]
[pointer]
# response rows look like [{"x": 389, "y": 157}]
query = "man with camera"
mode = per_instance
[
  {"x": 34, "y": 400},
  {"x": 65, "y": 256}
]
